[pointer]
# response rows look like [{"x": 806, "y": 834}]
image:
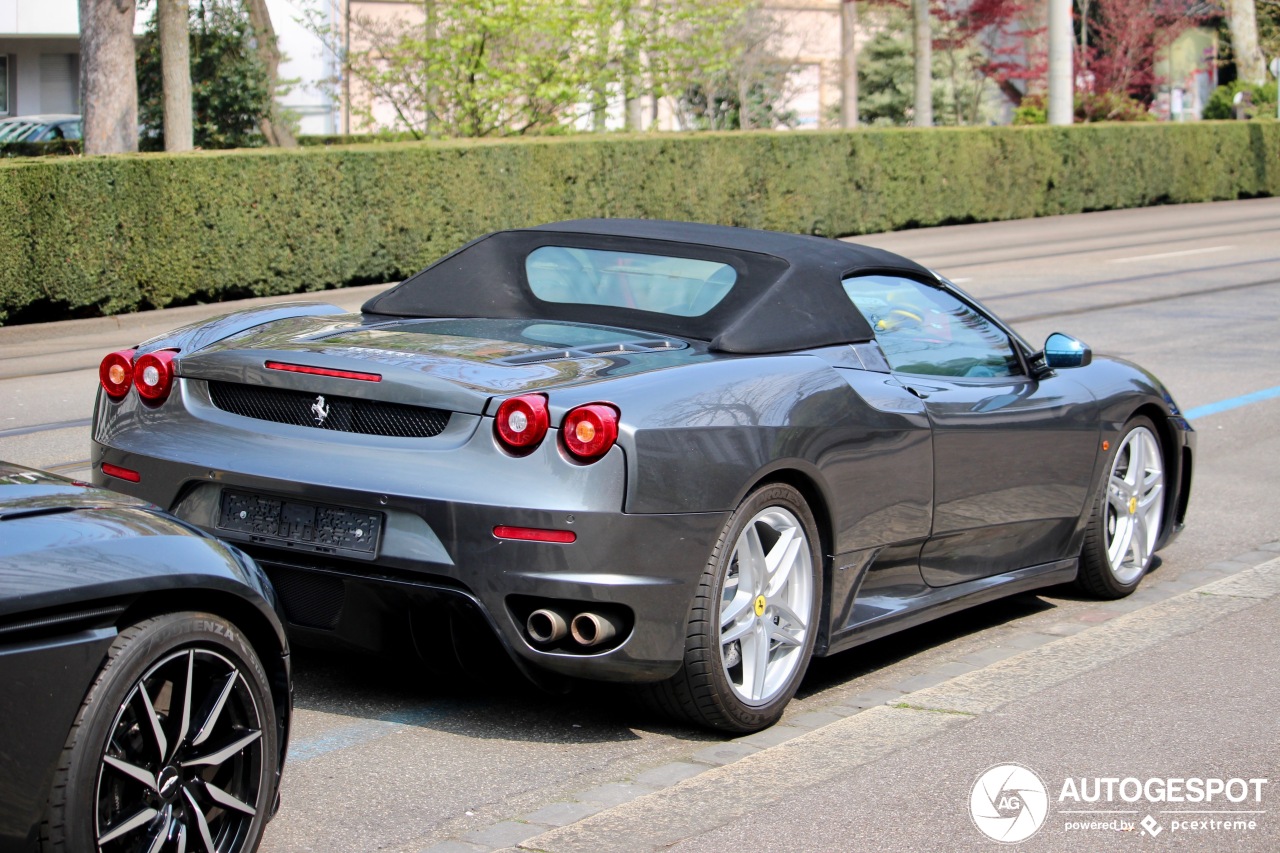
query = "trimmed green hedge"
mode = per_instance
[
  {"x": 311, "y": 139},
  {"x": 114, "y": 234}
]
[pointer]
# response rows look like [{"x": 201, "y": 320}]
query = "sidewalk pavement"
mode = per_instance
[{"x": 1177, "y": 685}]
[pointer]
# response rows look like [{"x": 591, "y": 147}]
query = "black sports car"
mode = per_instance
[
  {"x": 146, "y": 677},
  {"x": 680, "y": 455}
]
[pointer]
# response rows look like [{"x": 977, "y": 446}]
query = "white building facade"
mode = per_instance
[
  {"x": 310, "y": 66},
  {"x": 39, "y": 57}
]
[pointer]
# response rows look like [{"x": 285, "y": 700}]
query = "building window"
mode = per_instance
[{"x": 4, "y": 85}]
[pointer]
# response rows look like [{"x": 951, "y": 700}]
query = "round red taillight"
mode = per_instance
[
  {"x": 116, "y": 373},
  {"x": 589, "y": 431},
  {"x": 153, "y": 376},
  {"x": 522, "y": 422}
]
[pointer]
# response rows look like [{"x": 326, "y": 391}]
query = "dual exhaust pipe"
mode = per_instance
[{"x": 546, "y": 626}]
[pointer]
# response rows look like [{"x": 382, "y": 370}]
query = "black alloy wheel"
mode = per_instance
[{"x": 174, "y": 748}]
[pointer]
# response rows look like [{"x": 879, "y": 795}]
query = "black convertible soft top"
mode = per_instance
[{"x": 788, "y": 295}]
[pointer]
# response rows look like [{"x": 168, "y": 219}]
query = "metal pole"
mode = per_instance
[{"x": 1061, "y": 74}]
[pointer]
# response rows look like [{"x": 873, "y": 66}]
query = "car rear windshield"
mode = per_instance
[{"x": 682, "y": 287}]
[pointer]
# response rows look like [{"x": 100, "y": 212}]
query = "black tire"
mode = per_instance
[
  {"x": 1103, "y": 573},
  {"x": 705, "y": 691},
  {"x": 93, "y": 796}
]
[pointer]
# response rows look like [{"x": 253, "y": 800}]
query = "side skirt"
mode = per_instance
[{"x": 935, "y": 602}]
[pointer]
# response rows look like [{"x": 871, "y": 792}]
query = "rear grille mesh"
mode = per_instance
[
  {"x": 311, "y": 600},
  {"x": 342, "y": 414}
]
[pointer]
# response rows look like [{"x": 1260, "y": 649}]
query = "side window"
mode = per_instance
[{"x": 927, "y": 331}]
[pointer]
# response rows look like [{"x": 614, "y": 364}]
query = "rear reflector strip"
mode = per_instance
[
  {"x": 324, "y": 371},
  {"x": 120, "y": 473},
  {"x": 534, "y": 534}
]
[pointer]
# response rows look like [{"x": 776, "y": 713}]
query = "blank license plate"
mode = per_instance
[{"x": 300, "y": 524}]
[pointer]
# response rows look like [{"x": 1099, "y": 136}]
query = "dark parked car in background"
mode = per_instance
[
  {"x": 146, "y": 695},
  {"x": 680, "y": 455},
  {"x": 39, "y": 128}
]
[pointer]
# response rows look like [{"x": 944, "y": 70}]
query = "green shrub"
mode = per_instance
[
  {"x": 1087, "y": 106},
  {"x": 1032, "y": 110},
  {"x": 230, "y": 92},
  {"x": 1220, "y": 104},
  {"x": 114, "y": 234},
  {"x": 41, "y": 149},
  {"x": 1110, "y": 106},
  {"x": 357, "y": 138}
]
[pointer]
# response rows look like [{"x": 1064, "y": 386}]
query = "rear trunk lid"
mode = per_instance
[{"x": 451, "y": 364}]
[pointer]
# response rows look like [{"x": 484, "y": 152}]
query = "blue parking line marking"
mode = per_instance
[
  {"x": 1233, "y": 403},
  {"x": 352, "y": 735},
  {"x": 365, "y": 731}
]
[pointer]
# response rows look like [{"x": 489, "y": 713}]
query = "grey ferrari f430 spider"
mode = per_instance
[{"x": 685, "y": 456}]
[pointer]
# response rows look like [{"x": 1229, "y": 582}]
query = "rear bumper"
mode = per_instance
[{"x": 440, "y": 556}]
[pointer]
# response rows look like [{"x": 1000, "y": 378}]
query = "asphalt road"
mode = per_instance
[{"x": 385, "y": 759}]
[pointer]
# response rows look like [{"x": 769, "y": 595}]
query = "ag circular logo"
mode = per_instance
[{"x": 1008, "y": 803}]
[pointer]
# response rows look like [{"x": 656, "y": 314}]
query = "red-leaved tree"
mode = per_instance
[
  {"x": 1000, "y": 37},
  {"x": 1128, "y": 37},
  {"x": 976, "y": 41}
]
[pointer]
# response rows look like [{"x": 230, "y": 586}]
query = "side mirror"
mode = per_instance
[{"x": 1065, "y": 351}]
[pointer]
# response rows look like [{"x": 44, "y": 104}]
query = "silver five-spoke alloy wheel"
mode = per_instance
[
  {"x": 1134, "y": 505},
  {"x": 753, "y": 621},
  {"x": 766, "y": 606}
]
